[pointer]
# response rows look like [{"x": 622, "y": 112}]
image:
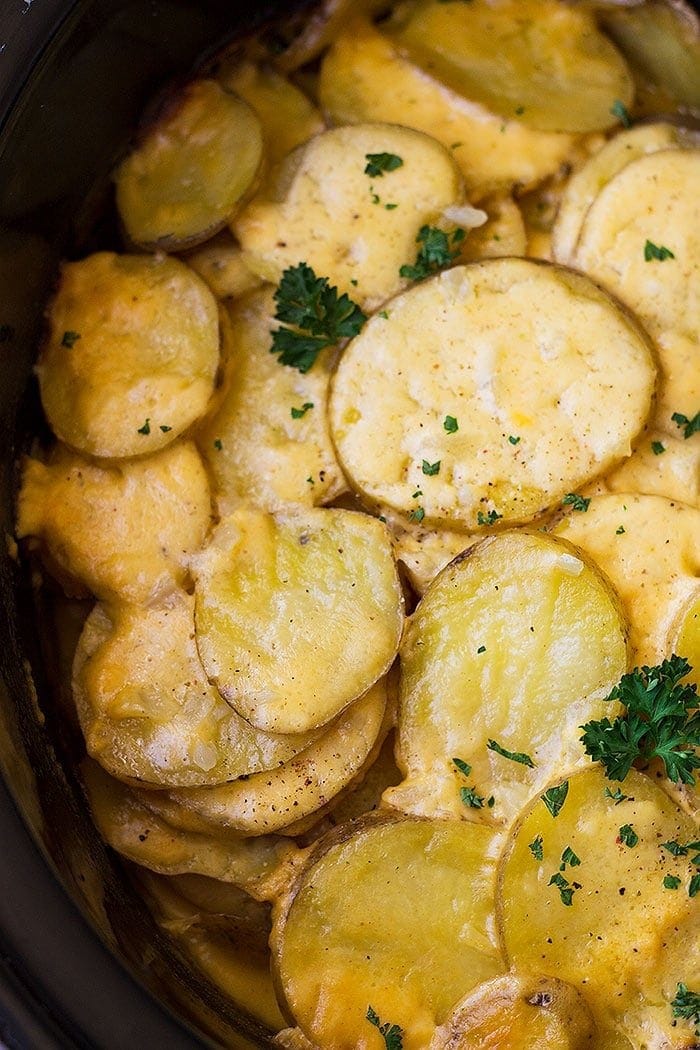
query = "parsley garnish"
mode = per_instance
[
  {"x": 450, "y": 424},
  {"x": 694, "y": 885},
  {"x": 573, "y": 499},
  {"x": 514, "y": 440},
  {"x": 417, "y": 514},
  {"x": 555, "y": 797},
  {"x": 165, "y": 428},
  {"x": 393, "y": 1035},
  {"x": 469, "y": 795},
  {"x": 462, "y": 766},
  {"x": 218, "y": 444},
  {"x": 488, "y": 519},
  {"x": 615, "y": 795},
  {"x": 686, "y": 1004},
  {"x": 566, "y": 890},
  {"x": 691, "y": 426},
  {"x": 536, "y": 848},
  {"x": 570, "y": 858},
  {"x": 298, "y": 413},
  {"x": 378, "y": 163},
  {"x": 657, "y": 723},
  {"x": 70, "y": 339},
  {"x": 481, "y": 649},
  {"x": 434, "y": 253},
  {"x": 619, "y": 110},
  {"x": 514, "y": 756},
  {"x": 677, "y": 849},
  {"x": 318, "y": 315},
  {"x": 657, "y": 251},
  {"x": 671, "y": 882},
  {"x": 619, "y": 531},
  {"x": 657, "y": 447},
  {"x": 628, "y": 836},
  {"x": 431, "y": 469},
  {"x": 145, "y": 429}
]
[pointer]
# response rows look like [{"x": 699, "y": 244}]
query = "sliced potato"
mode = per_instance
[
  {"x": 191, "y": 168},
  {"x": 268, "y": 440},
  {"x": 515, "y": 644},
  {"x": 518, "y": 1012},
  {"x": 123, "y": 530},
  {"x": 320, "y": 27},
  {"x": 542, "y": 61},
  {"x": 654, "y": 201},
  {"x": 649, "y": 547},
  {"x": 303, "y": 787},
  {"x": 392, "y": 917},
  {"x": 220, "y": 263},
  {"x": 365, "y": 77},
  {"x": 147, "y": 710},
  {"x": 625, "y": 940},
  {"x": 517, "y": 353},
  {"x": 131, "y": 354},
  {"x": 423, "y": 553},
  {"x": 503, "y": 233},
  {"x": 660, "y": 466},
  {"x": 296, "y": 615},
  {"x": 334, "y": 216}
]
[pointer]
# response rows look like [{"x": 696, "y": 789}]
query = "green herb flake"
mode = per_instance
[
  {"x": 145, "y": 429},
  {"x": 555, "y": 797},
  {"x": 166, "y": 429},
  {"x": 678, "y": 849},
  {"x": 299, "y": 413},
  {"x": 481, "y": 649},
  {"x": 514, "y": 440},
  {"x": 488, "y": 519},
  {"x": 384, "y": 314},
  {"x": 671, "y": 882},
  {"x": 615, "y": 795},
  {"x": 218, "y": 444},
  {"x": 391, "y": 207},
  {"x": 619, "y": 531},
  {"x": 576, "y": 502},
  {"x": 378, "y": 163},
  {"x": 619, "y": 110},
  {"x": 417, "y": 514},
  {"x": 570, "y": 858},
  {"x": 431, "y": 469},
  {"x": 566, "y": 890},
  {"x": 627, "y": 836},
  {"x": 462, "y": 766},
  {"x": 375, "y": 198},
  {"x": 393, "y": 1035},
  {"x": 686, "y": 1004},
  {"x": 450, "y": 424},
  {"x": 658, "y": 447},
  {"x": 536, "y": 848},
  {"x": 519, "y": 111},
  {"x": 470, "y": 798},
  {"x": 690, "y": 426},
  {"x": 434, "y": 254},
  {"x": 694, "y": 885},
  {"x": 656, "y": 252},
  {"x": 70, "y": 339},
  {"x": 514, "y": 756}
]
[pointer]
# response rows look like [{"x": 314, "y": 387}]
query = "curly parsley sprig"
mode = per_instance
[{"x": 661, "y": 721}]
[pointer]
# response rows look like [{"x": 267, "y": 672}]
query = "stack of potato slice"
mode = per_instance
[{"x": 407, "y": 321}]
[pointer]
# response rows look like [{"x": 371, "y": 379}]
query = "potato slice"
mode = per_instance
[
  {"x": 296, "y": 615},
  {"x": 649, "y": 547},
  {"x": 220, "y": 264},
  {"x": 585, "y": 184},
  {"x": 130, "y": 828},
  {"x": 131, "y": 354},
  {"x": 389, "y": 916},
  {"x": 303, "y": 787},
  {"x": 423, "y": 553},
  {"x": 269, "y": 441},
  {"x": 513, "y": 353},
  {"x": 503, "y": 233},
  {"x": 518, "y": 1012},
  {"x": 147, "y": 710},
  {"x": 625, "y": 939},
  {"x": 517, "y": 643},
  {"x": 651, "y": 208},
  {"x": 542, "y": 61},
  {"x": 365, "y": 77},
  {"x": 321, "y": 26},
  {"x": 191, "y": 168},
  {"x": 660, "y": 466},
  {"x": 123, "y": 530},
  {"x": 334, "y": 216}
]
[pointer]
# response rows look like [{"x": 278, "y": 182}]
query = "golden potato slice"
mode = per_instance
[
  {"x": 220, "y": 263},
  {"x": 147, "y": 710},
  {"x": 423, "y": 553},
  {"x": 287, "y": 117},
  {"x": 518, "y": 1012},
  {"x": 303, "y": 787},
  {"x": 503, "y": 233},
  {"x": 649, "y": 547},
  {"x": 132, "y": 829},
  {"x": 365, "y": 77},
  {"x": 123, "y": 530},
  {"x": 511, "y": 399},
  {"x": 513, "y": 647},
  {"x": 347, "y": 225},
  {"x": 641, "y": 240},
  {"x": 660, "y": 466},
  {"x": 595, "y": 911},
  {"x": 390, "y": 922},
  {"x": 190, "y": 169},
  {"x": 542, "y": 61},
  {"x": 269, "y": 441},
  {"x": 586, "y": 183},
  {"x": 298, "y": 614},
  {"x": 131, "y": 354}
]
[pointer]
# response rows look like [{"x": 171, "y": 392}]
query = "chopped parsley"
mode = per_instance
[
  {"x": 677, "y": 849},
  {"x": 514, "y": 440},
  {"x": 615, "y": 795},
  {"x": 462, "y": 766},
  {"x": 536, "y": 848},
  {"x": 481, "y": 649},
  {"x": 671, "y": 882},
  {"x": 384, "y": 314},
  {"x": 619, "y": 531},
  {"x": 656, "y": 251},
  {"x": 318, "y": 317},
  {"x": 299, "y": 413},
  {"x": 166, "y": 429},
  {"x": 619, "y": 110},
  {"x": 378, "y": 163},
  {"x": 519, "y": 111},
  {"x": 690, "y": 426},
  {"x": 514, "y": 756},
  {"x": 686, "y": 1004},
  {"x": 469, "y": 795},
  {"x": 566, "y": 889},
  {"x": 417, "y": 514},
  {"x": 572, "y": 499},
  {"x": 660, "y": 720},
  {"x": 145, "y": 429},
  {"x": 488, "y": 519},
  {"x": 555, "y": 797},
  {"x": 570, "y": 858},
  {"x": 70, "y": 339},
  {"x": 450, "y": 424},
  {"x": 657, "y": 447},
  {"x": 434, "y": 253},
  {"x": 218, "y": 444},
  {"x": 628, "y": 836},
  {"x": 694, "y": 885},
  {"x": 393, "y": 1035},
  {"x": 431, "y": 469}
]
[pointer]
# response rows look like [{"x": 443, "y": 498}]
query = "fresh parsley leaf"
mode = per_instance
[
  {"x": 657, "y": 447},
  {"x": 481, "y": 649},
  {"x": 514, "y": 756},
  {"x": 566, "y": 890},
  {"x": 694, "y": 885},
  {"x": 434, "y": 253},
  {"x": 166, "y": 429},
  {"x": 619, "y": 531},
  {"x": 417, "y": 514},
  {"x": 536, "y": 848},
  {"x": 678, "y": 849},
  {"x": 318, "y": 317},
  {"x": 628, "y": 836},
  {"x": 462, "y": 766},
  {"x": 488, "y": 519},
  {"x": 570, "y": 858},
  {"x": 656, "y": 251},
  {"x": 393, "y": 1035},
  {"x": 450, "y": 424},
  {"x": 470, "y": 798},
  {"x": 690, "y": 426},
  {"x": 70, "y": 339},
  {"x": 218, "y": 444},
  {"x": 555, "y": 797},
  {"x": 619, "y": 110},
  {"x": 378, "y": 163},
  {"x": 431, "y": 469},
  {"x": 660, "y": 721},
  {"x": 299, "y": 413},
  {"x": 615, "y": 795},
  {"x": 577, "y": 502},
  {"x": 514, "y": 440},
  {"x": 145, "y": 429},
  {"x": 671, "y": 882},
  {"x": 686, "y": 1004}
]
